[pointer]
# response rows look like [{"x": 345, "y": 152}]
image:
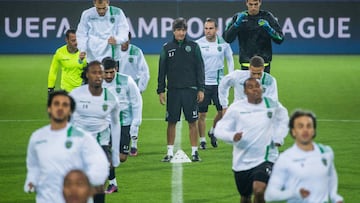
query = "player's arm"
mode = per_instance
[
  {"x": 333, "y": 183},
  {"x": 54, "y": 68},
  {"x": 272, "y": 90},
  {"x": 33, "y": 168},
  {"x": 82, "y": 33},
  {"x": 95, "y": 161},
  {"x": 161, "y": 76},
  {"x": 281, "y": 123},
  {"x": 272, "y": 27},
  {"x": 144, "y": 72},
  {"x": 229, "y": 58},
  {"x": 232, "y": 27},
  {"x": 115, "y": 134},
  {"x": 136, "y": 106},
  {"x": 122, "y": 28},
  {"x": 223, "y": 90},
  {"x": 200, "y": 69},
  {"x": 226, "y": 127}
]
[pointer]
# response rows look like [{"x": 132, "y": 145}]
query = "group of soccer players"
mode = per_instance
[{"x": 108, "y": 110}]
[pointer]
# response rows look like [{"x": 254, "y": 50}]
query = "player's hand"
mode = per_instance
[
  {"x": 237, "y": 137},
  {"x": 31, "y": 188},
  {"x": 200, "y": 96},
  {"x": 304, "y": 193},
  {"x": 82, "y": 55},
  {"x": 112, "y": 41},
  {"x": 223, "y": 111},
  {"x": 263, "y": 23},
  {"x": 162, "y": 98},
  {"x": 239, "y": 18},
  {"x": 50, "y": 90}
]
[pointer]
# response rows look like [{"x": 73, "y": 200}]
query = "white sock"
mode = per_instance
[
  {"x": 170, "y": 150},
  {"x": 193, "y": 150},
  {"x": 211, "y": 131},
  {"x": 134, "y": 142},
  {"x": 202, "y": 139},
  {"x": 113, "y": 182}
]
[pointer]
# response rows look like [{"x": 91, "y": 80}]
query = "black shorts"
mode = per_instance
[
  {"x": 244, "y": 179},
  {"x": 125, "y": 140},
  {"x": 210, "y": 95},
  {"x": 107, "y": 150},
  {"x": 185, "y": 99}
]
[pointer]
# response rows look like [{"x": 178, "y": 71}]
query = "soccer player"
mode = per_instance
[
  {"x": 132, "y": 62},
  {"x": 67, "y": 58},
  {"x": 306, "y": 171},
  {"x": 182, "y": 66},
  {"x": 237, "y": 79},
  {"x": 101, "y": 30},
  {"x": 57, "y": 148},
  {"x": 255, "y": 126},
  {"x": 130, "y": 100},
  {"x": 255, "y": 30},
  {"x": 213, "y": 50},
  {"x": 77, "y": 187},
  {"x": 98, "y": 113}
]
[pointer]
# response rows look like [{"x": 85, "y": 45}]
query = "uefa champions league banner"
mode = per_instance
[{"x": 309, "y": 27}]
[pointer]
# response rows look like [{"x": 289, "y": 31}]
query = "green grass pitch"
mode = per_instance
[{"x": 328, "y": 85}]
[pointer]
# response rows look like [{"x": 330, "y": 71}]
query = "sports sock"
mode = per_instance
[
  {"x": 211, "y": 131},
  {"x": 202, "y": 139},
  {"x": 134, "y": 140},
  {"x": 113, "y": 182},
  {"x": 193, "y": 150},
  {"x": 99, "y": 198},
  {"x": 111, "y": 173},
  {"x": 170, "y": 150}
]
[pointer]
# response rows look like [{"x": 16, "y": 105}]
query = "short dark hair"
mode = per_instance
[
  {"x": 80, "y": 172},
  {"x": 68, "y": 32},
  {"x": 245, "y": 82},
  {"x": 257, "y": 61},
  {"x": 211, "y": 20},
  {"x": 299, "y": 113},
  {"x": 179, "y": 23},
  {"x": 109, "y": 63},
  {"x": 62, "y": 93}
]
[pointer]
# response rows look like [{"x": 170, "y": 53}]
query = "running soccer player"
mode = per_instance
[
  {"x": 130, "y": 101},
  {"x": 132, "y": 62},
  {"x": 98, "y": 112},
  {"x": 255, "y": 126},
  {"x": 213, "y": 50},
  {"x": 57, "y": 148},
  {"x": 306, "y": 171},
  {"x": 237, "y": 79}
]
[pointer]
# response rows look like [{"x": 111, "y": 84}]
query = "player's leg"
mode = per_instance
[
  {"x": 243, "y": 180},
  {"x": 100, "y": 197},
  {"x": 190, "y": 108},
  {"x": 203, "y": 108},
  {"x": 218, "y": 116},
  {"x": 173, "y": 111},
  {"x": 261, "y": 175}
]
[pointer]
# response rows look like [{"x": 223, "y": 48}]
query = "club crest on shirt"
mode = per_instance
[
  {"x": 131, "y": 59},
  {"x": 118, "y": 89},
  {"x": 68, "y": 144},
  {"x": 219, "y": 48},
  {"x": 112, "y": 19},
  {"x": 188, "y": 48},
  {"x": 324, "y": 161},
  {"x": 105, "y": 107},
  {"x": 269, "y": 114},
  {"x": 263, "y": 89}
]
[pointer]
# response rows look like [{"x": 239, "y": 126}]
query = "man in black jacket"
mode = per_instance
[
  {"x": 182, "y": 66},
  {"x": 255, "y": 30}
]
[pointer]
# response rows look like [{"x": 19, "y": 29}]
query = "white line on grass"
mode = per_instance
[{"x": 177, "y": 170}]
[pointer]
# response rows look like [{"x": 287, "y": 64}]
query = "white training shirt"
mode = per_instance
[
  {"x": 237, "y": 78},
  {"x": 92, "y": 114},
  {"x": 132, "y": 62},
  {"x": 213, "y": 54},
  {"x": 93, "y": 32},
  {"x": 51, "y": 154},
  {"x": 312, "y": 170},
  {"x": 262, "y": 124},
  {"x": 130, "y": 101}
]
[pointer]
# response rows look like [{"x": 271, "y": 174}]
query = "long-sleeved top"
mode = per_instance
[
  {"x": 70, "y": 66},
  {"x": 51, "y": 154},
  {"x": 263, "y": 125},
  {"x": 93, "y": 32},
  {"x": 181, "y": 64},
  {"x": 129, "y": 98},
  {"x": 311, "y": 170},
  {"x": 213, "y": 54},
  {"x": 132, "y": 62},
  {"x": 92, "y": 114},
  {"x": 254, "y": 39},
  {"x": 237, "y": 78}
]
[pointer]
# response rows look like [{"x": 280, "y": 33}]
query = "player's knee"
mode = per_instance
[{"x": 123, "y": 158}]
